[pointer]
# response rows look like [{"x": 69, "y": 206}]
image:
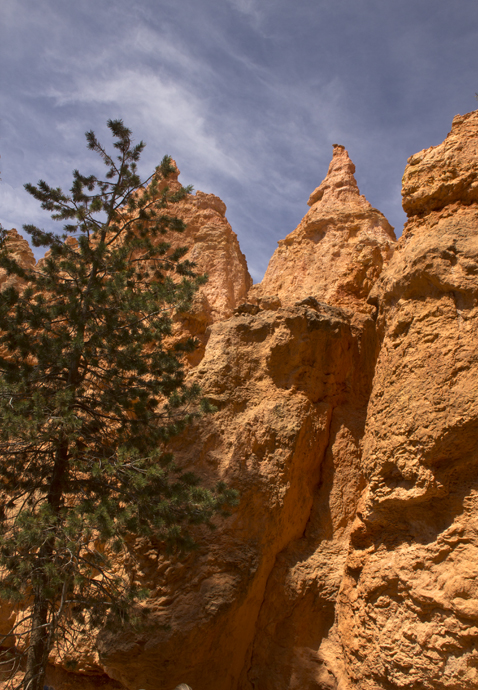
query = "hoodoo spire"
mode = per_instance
[
  {"x": 338, "y": 250},
  {"x": 339, "y": 183}
]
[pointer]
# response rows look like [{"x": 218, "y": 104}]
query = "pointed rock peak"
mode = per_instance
[
  {"x": 20, "y": 248},
  {"x": 340, "y": 183},
  {"x": 14, "y": 236},
  {"x": 174, "y": 176}
]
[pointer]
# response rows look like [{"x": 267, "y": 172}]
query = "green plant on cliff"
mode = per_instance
[{"x": 92, "y": 388}]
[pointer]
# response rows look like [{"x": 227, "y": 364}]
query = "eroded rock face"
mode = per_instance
[
  {"x": 408, "y": 611},
  {"x": 215, "y": 250},
  {"x": 291, "y": 392},
  {"x": 21, "y": 252},
  {"x": 446, "y": 174},
  {"x": 337, "y": 251},
  {"x": 351, "y": 561},
  {"x": 292, "y": 377}
]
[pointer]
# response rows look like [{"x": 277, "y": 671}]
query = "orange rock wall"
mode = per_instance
[
  {"x": 215, "y": 250},
  {"x": 291, "y": 376},
  {"x": 408, "y": 605},
  {"x": 291, "y": 394},
  {"x": 21, "y": 252}
]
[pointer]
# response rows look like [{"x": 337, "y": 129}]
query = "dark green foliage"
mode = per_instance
[{"x": 90, "y": 394}]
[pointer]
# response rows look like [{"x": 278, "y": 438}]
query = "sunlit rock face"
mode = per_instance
[
  {"x": 291, "y": 376},
  {"x": 337, "y": 251},
  {"x": 291, "y": 385},
  {"x": 446, "y": 174},
  {"x": 408, "y": 606},
  {"x": 215, "y": 250},
  {"x": 20, "y": 250}
]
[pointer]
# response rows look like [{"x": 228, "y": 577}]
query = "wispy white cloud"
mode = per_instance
[
  {"x": 248, "y": 7},
  {"x": 155, "y": 104}
]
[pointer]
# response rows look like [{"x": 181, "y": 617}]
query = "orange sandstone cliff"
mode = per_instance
[
  {"x": 215, "y": 250},
  {"x": 407, "y": 611},
  {"x": 346, "y": 385}
]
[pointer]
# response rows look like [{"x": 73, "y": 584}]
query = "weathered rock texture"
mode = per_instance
[
  {"x": 213, "y": 248},
  {"x": 291, "y": 385},
  {"x": 215, "y": 251},
  {"x": 21, "y": 252},
  {"x": 347, "y": 395},
  {"x": 337, "y": 251},
  {"x": 408, "y": 611},
  {"x": 256, "y": 608}
]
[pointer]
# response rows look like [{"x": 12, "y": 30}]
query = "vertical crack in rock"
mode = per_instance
[
  {"x": 248, "y": 676},
  {"x": 275, "y": 376},
  {"x": 296, "y": 644}
]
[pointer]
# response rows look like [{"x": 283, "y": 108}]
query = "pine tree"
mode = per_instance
[{"x": 91, "y": 390}]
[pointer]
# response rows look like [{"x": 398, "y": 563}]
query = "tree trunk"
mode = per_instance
[
  {"x": 40, "y": 643},
  {"x": 41, "y": 639}
]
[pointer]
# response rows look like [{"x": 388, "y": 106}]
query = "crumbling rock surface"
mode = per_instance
[
  {"x": 291, "y": 386},
  {"x": 445, "y": 174},
  {"x": 291, "y": 376},
  {"x": 337, "y": 251},
  {"x": 21, "y": 252},
  {"x": 215, "y": 250},
  {"x": 408, "y": 606}
]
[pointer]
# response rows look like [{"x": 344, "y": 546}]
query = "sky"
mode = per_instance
[{"x": 247, "y": 96}]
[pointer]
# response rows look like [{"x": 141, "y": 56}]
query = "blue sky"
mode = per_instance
[{"x": 247, "y": 95}]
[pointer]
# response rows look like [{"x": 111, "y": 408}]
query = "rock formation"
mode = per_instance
[
  {"x": 408, "y": 607},
  {"x": 215, "y": 250},
  {"x": 337, "y": 251},
  {"x": 21, "y": 252},
  {"x": 346, "y": 385},
  {"x": 292, "y": 384}
]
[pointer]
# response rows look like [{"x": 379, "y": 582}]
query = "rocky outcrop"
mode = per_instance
[
  {"x": 337, "y": 251},
  {"x": 443, "y": 175},
  {"x": 408, "y": 607},
  {"x": 215, "y": 250},
  {"x": 351, "y": 560},
  {"x": 292, "y": 381},
  {"x": 21, "y": 252},
  {"x": 291, "y": 386}
]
